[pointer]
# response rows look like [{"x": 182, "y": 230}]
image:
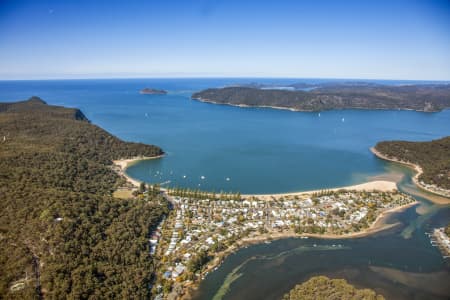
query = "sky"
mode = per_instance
[{"x": 302, "y": 39}]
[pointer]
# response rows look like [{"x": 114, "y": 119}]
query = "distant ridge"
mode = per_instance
[{"x": 426, "y": 98}]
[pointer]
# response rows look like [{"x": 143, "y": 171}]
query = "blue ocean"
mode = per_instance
[
  {"x": 260, "y": 150},
  {"x": 250, "y": 150}
]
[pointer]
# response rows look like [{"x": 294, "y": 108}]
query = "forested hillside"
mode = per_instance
[
  {"x": 321, "y": 287},
  {"x": 412, "y": 97},
  {"x": 433, "y": 157},
  {"x": 62, "y": 233}
]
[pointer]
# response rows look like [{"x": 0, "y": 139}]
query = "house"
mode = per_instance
[
  {"x": 167, "y": 274},
  {"x": 179, "y": 269}
]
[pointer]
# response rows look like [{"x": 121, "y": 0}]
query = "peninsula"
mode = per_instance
[
  {"x": 62, "y": 232},
  {"x": 431, "y": 160},
  {"x": 148, "y": 91},
  {"x": 203, "y": 227},
  {"x": 427, "y": 98}
]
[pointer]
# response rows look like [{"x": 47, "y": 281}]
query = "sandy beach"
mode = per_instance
[
  {"x": 377, "y": 226},
  {"x": 125, "y": 163},
  {"x": 415, "y": 179},
  {"x": 379, "y": 185}
]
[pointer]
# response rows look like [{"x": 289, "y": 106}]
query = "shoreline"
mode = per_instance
[
  {"x": 123, "y": 164},
  {"x": 378, "y": 185},
  {"x": 418, "y": 169},
  {"x": 252, "y": 106},
  {"x": 377, "y": 226},
  {"x": 305, "y": 110}
]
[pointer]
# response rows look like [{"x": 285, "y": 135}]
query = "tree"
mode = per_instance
[
  {"x": 197, "y": 262},
  {"x": 142, "y": 187}
]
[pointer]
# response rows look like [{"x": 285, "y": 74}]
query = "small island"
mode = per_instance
[
  {"x": 149, "y": 91},
  {"x": 322, "y": 287},
  {"x": 426, "y": 98},
  {"x": 431, "y": 160}
]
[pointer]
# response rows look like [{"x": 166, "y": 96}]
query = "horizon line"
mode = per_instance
[{"x": 220, "y": 77}]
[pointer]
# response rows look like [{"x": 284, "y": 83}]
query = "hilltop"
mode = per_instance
[{"x": 36, "y": 105}]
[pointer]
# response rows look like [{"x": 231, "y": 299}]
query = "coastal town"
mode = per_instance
[{"x": 202, "y": 228}]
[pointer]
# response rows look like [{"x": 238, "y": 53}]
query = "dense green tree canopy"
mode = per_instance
[
  {"x": 324, "y": 288},
  {"x": 60, "y": 228},
  {"x": 337, "y": 96},
  {"x": 433, "y": 157}
]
